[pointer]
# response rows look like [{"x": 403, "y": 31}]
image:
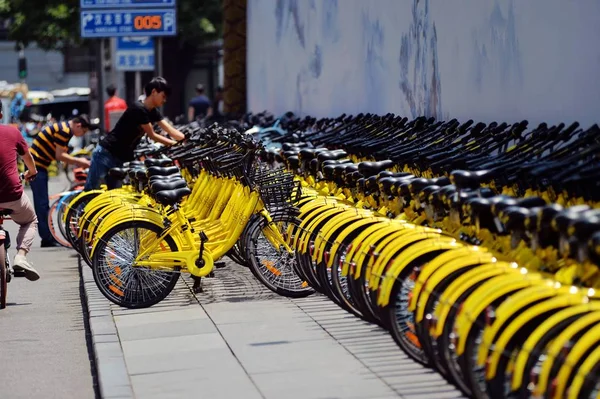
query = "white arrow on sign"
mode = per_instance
[
  {"x": 87, "y": 18},
  {"x": 142, "y": 40}
]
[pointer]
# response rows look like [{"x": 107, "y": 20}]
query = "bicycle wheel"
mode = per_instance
[
  {"x": 63, "y": 206},
  {"x": 126, "y": 285},
  {"x": 274, "y": 267},
  {"x": 53, "y": 221},
  {"x": 75, "y": 210},
  {"x": 235, "y": 254},
  {"x": 3, "y": 274}
]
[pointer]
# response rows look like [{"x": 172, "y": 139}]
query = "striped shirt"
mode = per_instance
[{"x": 44, "y": 145}]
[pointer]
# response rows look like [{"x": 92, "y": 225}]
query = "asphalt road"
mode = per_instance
[{"x": 43, "y": 347}]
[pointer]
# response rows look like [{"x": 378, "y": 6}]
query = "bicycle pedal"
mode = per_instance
[{"x": 220, "y": 265}]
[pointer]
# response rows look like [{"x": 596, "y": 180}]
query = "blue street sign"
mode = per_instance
[
  {"x": 141, "y": 4},
  {"x": 135, "y": 54},
  {"x": 118, "y": 23}
]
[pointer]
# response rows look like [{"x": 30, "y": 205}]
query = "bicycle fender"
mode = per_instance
[
  {"x": 366, "y": 224},
  {"x": 384, "y": 237},
  {"x": 499, "y": 344},
  {"x": 403, "y": 242},
  {"x": 509, "y": 309},
  {"x": 433, "y": 266},
  {"x": 487, "y": 293},
  {"x": 557, "y": 345},
  {"x": 443, "y": 272},
  {"x": 583, "y": 372},
  {"x": 464, "y": 282},
  {"x": 364, "y": 238},
  {"x": 401, "y": 263},
  {"x": 329, "y": 231},
  {"x": 528, "y": 346}
]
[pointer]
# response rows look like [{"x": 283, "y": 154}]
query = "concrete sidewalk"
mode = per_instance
[
  {"x": 239, "y": 340},
  {"x": 43, "y": 345}
]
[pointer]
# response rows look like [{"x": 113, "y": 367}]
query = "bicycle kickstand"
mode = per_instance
[{"x": 197, "y": 287}]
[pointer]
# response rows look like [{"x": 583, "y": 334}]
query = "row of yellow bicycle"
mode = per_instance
[{"x": 493, "y": 290}]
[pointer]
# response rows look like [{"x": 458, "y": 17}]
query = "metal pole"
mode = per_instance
[
  {"x": 159, "y": 53},
  {"x": 138, "y": 84},
  {"x": 100, "y": 80}
]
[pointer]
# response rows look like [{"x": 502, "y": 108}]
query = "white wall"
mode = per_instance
[{"x": 483, "y": 59}]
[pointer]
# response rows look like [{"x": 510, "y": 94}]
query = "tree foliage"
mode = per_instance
[{"x": 53, "y": 24}]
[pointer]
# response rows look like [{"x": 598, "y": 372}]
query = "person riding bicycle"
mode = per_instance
[
  {"x": 118, "y": 146},
  {"x": 12, "y": 196},
  {"x": 51, "y": 144}
]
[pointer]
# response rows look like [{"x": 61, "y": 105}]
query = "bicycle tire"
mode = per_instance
[
  {"x": 591, "y": 387},
  {"x": 3, "y": 275},
  {"x": 251, "y": 237},
  {"x": 422, "y": 328},
  {"x": 64, "y": 202},
  {"x": 447, "y": 357},
  {"x": 499, "y": 382},
  {"x": 235, "y": 254},
  {"x": 396, "y": 315},
  {"x": 344, "y": 293},
  {"x": 84, "y": 248},
  {"x": 539, "y": 350},
  {"x": 51, "y": 224},
  {"x": 109, "y": 293},
  {"x": 75, "y": 210}
]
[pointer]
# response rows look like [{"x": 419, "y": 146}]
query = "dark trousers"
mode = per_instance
[{"x": 41, "y": 203}]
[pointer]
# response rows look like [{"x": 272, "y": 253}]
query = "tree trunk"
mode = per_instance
[
  {"x": 234, "y": 56},
  {"x": 178, "y": 60}
]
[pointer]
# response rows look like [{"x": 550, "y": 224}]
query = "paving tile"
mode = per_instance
[
  {"x": 302, "y": 355},
  {"x": 193, "y": 385},
  {"x": 164, "y": 316},
  {"x": 318, "y": 383},
  {"x": 164, "y": 328},
  {"x": 169, "y": 345},
  {"x": 210, "y": 360}
]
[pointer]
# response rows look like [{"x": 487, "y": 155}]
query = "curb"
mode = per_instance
[{"x": 113, "y": 378}]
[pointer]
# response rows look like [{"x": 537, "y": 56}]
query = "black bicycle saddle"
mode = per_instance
[
  {"x": 118, "y": 173},
  {"x": 162, "y": 171},
  {"x": 373, "y": 168},
  {"x": 158, "y": 162},
  {"x": 171, "y": 197}
]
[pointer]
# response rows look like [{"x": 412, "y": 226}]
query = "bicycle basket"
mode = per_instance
[{"x": 277, "y": 188}]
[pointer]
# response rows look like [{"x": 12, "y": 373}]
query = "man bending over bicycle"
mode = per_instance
[
  {"x": 119, "y": 145},
  {"x": 12, "y": 196}
]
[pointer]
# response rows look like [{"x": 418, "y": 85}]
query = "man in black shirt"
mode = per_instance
[{"x": 118, "y": 146}]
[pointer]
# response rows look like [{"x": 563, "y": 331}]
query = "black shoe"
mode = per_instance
[{"x": 50, "y": 244}]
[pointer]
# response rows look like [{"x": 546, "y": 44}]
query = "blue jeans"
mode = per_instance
[
  {"x": 102, "y": 162},
  {"x": 41, "y": 203}
]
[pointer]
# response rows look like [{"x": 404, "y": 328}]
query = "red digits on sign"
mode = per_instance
[{"x": 147, "y": 22}]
